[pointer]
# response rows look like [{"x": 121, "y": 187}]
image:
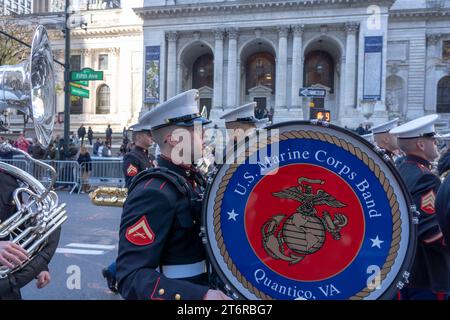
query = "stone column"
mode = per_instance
[
  {"x": 297, "y": 66},
  {"x": 430, "y": 76},
  {"x": 218, "y": 68},
  {"x": 350, "y": 65},
  {"x": 238, "y": 82},
  {"x": 171, "y": 64},
  {"x": 232, "y": 68},
  {"x": 280, "y": 98},
  {"x": 341, "y": 104},
  {"x": 114, "y": 86},
  {"x": 179, "y": 77}
]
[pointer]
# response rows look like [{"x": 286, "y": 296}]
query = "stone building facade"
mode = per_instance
[{"x": 265, "y": 51}]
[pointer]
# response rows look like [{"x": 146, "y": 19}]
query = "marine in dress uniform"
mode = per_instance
[
  {"x": 240, "y": 122},
  {"x": 138, "y": 159},
  {"x": 135, "y": 161},
  {"x": 431, "y": 271},
  {"x": 444, "y": 160},
  {"x": 243, "y": 118},
  {"x": 384, "y": 140},
  {"x": 161, "y": 255}
]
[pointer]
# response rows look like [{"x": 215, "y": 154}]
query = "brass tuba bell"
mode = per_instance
[{"x": 30, "y": 88}]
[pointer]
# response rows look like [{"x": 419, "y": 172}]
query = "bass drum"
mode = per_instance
[{"x": 313, "y": 212}]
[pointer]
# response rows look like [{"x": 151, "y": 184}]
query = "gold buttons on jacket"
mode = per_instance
[
  {"x": 177, "y": 297},
  {"x": 161, "y": 292}
]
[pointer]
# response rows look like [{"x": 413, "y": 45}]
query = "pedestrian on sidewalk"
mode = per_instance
[
  {"x": 90, "y": 135},
  {"x": 109, "y": 133},
  {"x": 84, "y": 159},
  {"x": 82, "y": 133}
]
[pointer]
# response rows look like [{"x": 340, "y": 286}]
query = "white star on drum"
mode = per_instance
[
  {"x": 376, "y": 242},
  {"x": 232, "y": 215}
]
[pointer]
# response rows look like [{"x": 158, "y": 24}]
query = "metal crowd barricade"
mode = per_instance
[
  {"x": 19, "y": 163},
  {"x": 67, "y": 173},
  {"x": 106, "y": 173},
  {"x": 102, "y": 173}
]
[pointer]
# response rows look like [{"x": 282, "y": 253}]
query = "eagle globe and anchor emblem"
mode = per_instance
[{"x": 292, "y": 237}]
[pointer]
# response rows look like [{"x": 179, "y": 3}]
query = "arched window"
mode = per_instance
[
  {"x": 103, "y": 100},
  {"x": 203, "y": 72},
  {"x": 443, "y": 95},
  {"x": 319, "y": 69},
  {"x": 260, "y": 71}
]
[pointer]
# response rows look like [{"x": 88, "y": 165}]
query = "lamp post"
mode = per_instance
[{"x": 67, "y": 81}]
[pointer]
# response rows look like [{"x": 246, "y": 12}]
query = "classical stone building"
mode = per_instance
[
  {"x": 110, "y": 41},
  {"x": 376, "y": 59}
]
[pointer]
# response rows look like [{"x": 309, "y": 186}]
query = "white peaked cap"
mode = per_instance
[
  {"x": 385, "y": 127},
  {"x": 369, "y": 137},
  {"x": 420, "y": 127},
  {"x": 245, "y": 113},
  {"x": 181, "y": 110}
]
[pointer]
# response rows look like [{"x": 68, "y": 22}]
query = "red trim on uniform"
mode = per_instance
[
  {"x": 399, "y": 296},
  {"x": 163, "y": 184},
  {"x": 440, "y": 296},
  {"x": 152, "y": 297},
  {"x": 148, "y": 182},
  {"x": 434, "y": 238}
]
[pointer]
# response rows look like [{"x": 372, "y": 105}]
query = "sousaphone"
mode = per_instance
[{"x": 30, "y": 88}]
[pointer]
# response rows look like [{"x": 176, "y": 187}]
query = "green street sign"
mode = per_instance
[
  {"x": 82, "y": 83},
  {"x": 79, "y": 92},
  {"x": 87, "y": 74}
]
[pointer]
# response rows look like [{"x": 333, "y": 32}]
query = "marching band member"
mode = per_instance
[
  {"x": 240, "y": 122},
  {"x": 138, "y": 159},
  {"x": 242, "y": 118},
  {"x": 385, "y": 140},
  {"x": 161, "y": 255},
  {"x": 135, "y": 161},
  {"x": 13, "y": 255},
  {"x": 430, "y": 273}
]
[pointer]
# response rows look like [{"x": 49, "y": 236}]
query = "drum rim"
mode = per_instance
[{"x": 407, "y": 263}]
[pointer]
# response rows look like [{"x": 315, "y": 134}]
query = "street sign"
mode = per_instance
[
  {"x": 87, "y": 74},
  {"x": 79, "y": 92},
  {"x": 77, "y": 84},
  {"x": 320, "y": 114},
  {"x": 312, "y": 93},
  {"x": 82, "y": 83}
]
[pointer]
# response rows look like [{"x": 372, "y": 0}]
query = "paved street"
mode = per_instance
[{"x": 88, "y": 242}]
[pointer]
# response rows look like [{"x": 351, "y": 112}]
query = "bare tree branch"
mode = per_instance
[{"x": 12, "y": 52}]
